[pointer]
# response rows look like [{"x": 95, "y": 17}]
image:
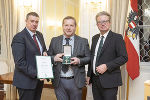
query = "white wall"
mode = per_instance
[{"x": 136, "y": 88}]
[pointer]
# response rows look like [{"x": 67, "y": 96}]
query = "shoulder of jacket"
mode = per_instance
[
  {"x": 95, "y": 36},
  {"x": 57, "y": 37},
  {"x": 81, "y": 38},
  {"x": 116, "y": 34}
]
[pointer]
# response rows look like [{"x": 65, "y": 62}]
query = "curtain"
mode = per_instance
[
  {"x": 8, "y": 19},
  {"x": 118, "y": 11}
]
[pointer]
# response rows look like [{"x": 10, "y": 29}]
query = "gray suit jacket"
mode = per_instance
[{"x": 81, "y": 50}]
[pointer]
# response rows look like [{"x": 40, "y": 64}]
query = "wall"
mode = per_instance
[
  {"x": 53, "y": 12},
  {"x": 136, "y": 87}
]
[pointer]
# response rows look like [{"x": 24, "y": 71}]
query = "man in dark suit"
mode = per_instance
[
  {"x": 69, "y": 79},
  {"x": 108, "y": 53},
  {"x": 25, "y": 46}
]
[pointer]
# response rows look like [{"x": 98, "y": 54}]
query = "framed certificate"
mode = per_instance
[
  {"x": 44, "y": 67},
  {"x": 67, "y": 54}
]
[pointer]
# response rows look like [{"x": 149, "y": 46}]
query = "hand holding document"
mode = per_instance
[{"x": 44, "y": 67}]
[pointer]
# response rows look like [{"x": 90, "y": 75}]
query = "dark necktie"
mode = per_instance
[
  {"x": 37, "y": 45},
  {"x": 98, "y": 53},
  {"x": 66, "y": 67},
  {"x": 67, "y": 41}
]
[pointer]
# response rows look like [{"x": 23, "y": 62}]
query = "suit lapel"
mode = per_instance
[
  {"x": 60, "y": 44},
  {"x": 107, "y": 42},
  {"x": 60, "y": 49},
  {"x": 31, "y": 40},
  {"x": 40, "y": 40},
  {"x": 95, "y": 40},
  {"x": 76, "y": 44}
]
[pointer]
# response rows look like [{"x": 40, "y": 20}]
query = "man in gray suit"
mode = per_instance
[{"x": 69, "y": 79}]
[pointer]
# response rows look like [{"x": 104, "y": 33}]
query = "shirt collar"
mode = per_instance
[
  {"x": 105, "y": 35},
  {"x": 71, "y": 38},
  {"x": 31, "y": 33}
]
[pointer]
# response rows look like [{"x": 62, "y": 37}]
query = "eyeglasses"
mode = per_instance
[{"x": 102, "y": 22}]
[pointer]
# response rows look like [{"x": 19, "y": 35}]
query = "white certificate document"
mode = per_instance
[{"x": 44, "y": 67}]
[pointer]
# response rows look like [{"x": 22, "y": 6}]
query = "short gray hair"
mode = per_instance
[{"x": 103, "y": 13}]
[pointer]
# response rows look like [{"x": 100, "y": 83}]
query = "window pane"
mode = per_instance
[{"x": 144, "y": 23}]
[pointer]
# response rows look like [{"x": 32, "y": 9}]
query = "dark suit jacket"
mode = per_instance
[
  {"x": 24, "y": 51},
  {"x": 113, "y": 54},
  {"x": 81, "y": 50}
]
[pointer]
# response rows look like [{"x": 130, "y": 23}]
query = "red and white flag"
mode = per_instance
[{"x": 132, "y": 41}]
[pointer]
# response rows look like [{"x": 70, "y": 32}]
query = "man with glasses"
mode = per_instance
[{"x": 108, "y": 53}]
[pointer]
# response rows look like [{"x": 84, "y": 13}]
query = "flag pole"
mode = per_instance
[{"x": 127, "y": 93}]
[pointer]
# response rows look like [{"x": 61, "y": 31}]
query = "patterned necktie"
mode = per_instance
[
  {"x": 37, "y": 45},
  {"x": 66, "y": 67},
  {"x": 98, "y": 53}
]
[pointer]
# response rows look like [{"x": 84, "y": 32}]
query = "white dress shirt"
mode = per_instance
[{"x": 96, "y": 49}]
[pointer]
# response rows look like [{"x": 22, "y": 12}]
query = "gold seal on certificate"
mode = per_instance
[
  {"x": 67, "y": 54},
  {"x": 44, "y": 67}
]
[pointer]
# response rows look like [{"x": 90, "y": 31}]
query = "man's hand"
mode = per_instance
[
  {"x": 75, "y": 61},
  {"x": 45, "y": 54},
  {"x": 58, "y": 57},
  {"x": 88, "y": 80},
  {"x": 101, "y": 68},
  {"x": 42, "y": 79}
]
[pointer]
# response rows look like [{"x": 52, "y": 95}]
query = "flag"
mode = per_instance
[{"x": 132, "y": 41}]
